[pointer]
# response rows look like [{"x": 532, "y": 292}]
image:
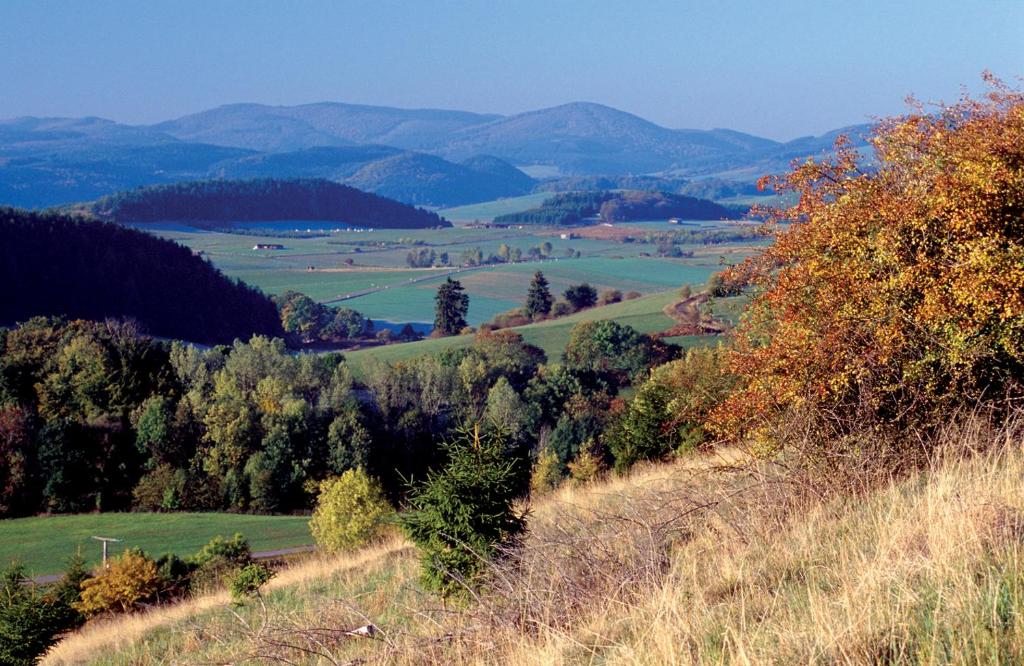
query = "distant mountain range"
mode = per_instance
[{"x": 418, "y": 156}]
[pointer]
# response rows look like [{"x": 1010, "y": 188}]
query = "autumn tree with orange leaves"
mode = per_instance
[{"x": 894, "y": 295}]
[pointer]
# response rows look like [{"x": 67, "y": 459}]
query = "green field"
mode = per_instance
[
  {"x": 644, "y": 314},
  {"x": 44, "y": 543},
  {"x": 488, "y": 210},
  {"x": 348, "y": 262}
]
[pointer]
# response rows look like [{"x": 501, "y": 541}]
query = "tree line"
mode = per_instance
[{"x": 97, "y": 416}]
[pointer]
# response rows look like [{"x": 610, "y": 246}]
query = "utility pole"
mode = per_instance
[{"x": 105, "y": 541}]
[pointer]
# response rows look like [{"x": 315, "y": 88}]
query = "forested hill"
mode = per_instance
[
  {"x": 609, "y": 206},
  {"x": 214, "y": 202},
  {"x": 56, "y": 265}
]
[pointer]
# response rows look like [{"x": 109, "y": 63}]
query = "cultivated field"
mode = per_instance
[
  {"x": 367, "y": 270},
  {"x": 44, "y": 543}
]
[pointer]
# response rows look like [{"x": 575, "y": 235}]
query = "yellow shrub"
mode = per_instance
[
  {"x": 350, "y": 512},
  {"x": 125, "y": 582}
]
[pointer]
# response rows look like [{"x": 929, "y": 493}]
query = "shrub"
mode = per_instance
[
  {"x": 216, "y": 562},
  {"x": 463, "y": 515},
  {"x": 581, "y": 296},
  {"x": 159, "y": 490},
  {"x": 127, "y": 581},
  {"x": 897, "y": 295},
  {"x": 609, "y": 296},
  {"x": 669, "y": 410},
  {"x": 588, "y": 466},
  {"x": 547, "y": 472},
  {"x": 31, "y": 618},
  {"x": 561, "y": 309},
  {"x": 350, "y": 512},
  {"x": 632, "y": 295},
  {"x": 247, "y": 581}
]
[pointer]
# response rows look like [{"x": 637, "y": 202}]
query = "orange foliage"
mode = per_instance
[{"x": 893, "y": 294}]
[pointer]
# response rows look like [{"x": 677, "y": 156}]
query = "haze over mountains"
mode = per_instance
[{"x": 418, "y": 156}]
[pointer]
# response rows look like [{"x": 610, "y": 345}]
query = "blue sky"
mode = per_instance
[{"x": 779, "y": 69}]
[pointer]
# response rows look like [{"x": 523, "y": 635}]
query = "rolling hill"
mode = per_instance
[
  {"x": 63, "y": 266},
  {"x": 218, "y": 203},
  {"x": 283, "y": 128},
  {"x": 422, "y": 156}
]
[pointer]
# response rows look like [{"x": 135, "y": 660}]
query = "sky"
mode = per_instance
[{"x": 779, "y": 69}]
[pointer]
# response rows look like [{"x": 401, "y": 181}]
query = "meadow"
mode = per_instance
[
  {"x": 367, "y": 270},
  {"x": 644, "y": 314},
  {"x": 44, "y": 543},
  {"x": 920, "y": 570},
  {"x": 488, "y": 210}
]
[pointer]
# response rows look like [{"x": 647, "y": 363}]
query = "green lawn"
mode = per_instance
[{"x": 44, "y": 543}]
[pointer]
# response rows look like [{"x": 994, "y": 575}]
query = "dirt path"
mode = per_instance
[{"x": 690, "y": 320}]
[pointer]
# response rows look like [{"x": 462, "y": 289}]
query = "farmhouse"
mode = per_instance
[{"x": 268, "y": 246}]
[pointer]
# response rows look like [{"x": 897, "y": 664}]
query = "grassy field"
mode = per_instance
[
  {"x": 349, "y": 261},
  {"x": 926, "y": 569},
  {"x": 644, "y": 314},
  {"x": 44, "y": 543},
  {"x": 488, "y": 210}
]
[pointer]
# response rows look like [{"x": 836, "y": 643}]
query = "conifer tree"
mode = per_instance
[
  {"x": 451, "y": 309},
  {"x": 462, "y": 516},
  {"x": 538, "y": 298}
]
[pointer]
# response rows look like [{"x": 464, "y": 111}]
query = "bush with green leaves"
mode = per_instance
[
  {"x": 218, "y": 560},
  {"x": 32, "y": 617},
  {"x": 350, "y": 512},
  {"x": 668, "y": 412},
  {"x": 463, "y": 516},
  {"x": 247, "y": 581}
]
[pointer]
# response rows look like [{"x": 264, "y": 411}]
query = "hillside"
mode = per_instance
[
  {"x": 687, "y": 563},
  {"x": 627, "y": 206},
  {"x": 586, "y": 138},
  {"x": 417, "y": 178},
  {"x": 92, "y": 270},
  {"x": 50, "y": 161},
  {"x": 277, "y": 128},
  {"x": 216, "y": 202},
  {"x": 645, "y": 314}
]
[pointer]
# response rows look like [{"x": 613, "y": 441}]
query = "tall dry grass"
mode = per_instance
[{"x": 715, "y": 560}]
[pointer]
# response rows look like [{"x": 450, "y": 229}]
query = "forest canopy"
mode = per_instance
[
  {"x": 574, "y": 207},
  {"x": 94, "y": 270},
  {"x": 218, "y": 201}
]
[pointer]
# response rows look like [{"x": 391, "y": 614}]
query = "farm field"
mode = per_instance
[
  {"x": 367, "y": 270},
  {"x": 488, "y": 210},
  {"x": 44, "y": 543}
]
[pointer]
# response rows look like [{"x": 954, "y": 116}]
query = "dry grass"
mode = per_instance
[
  {"x": 100, "y": 639},
  {"x": 704, "y": 561}
]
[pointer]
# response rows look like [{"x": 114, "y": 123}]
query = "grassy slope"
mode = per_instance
[
  {"x": 644, "y": 314},
  {"x": 43, "y": 544},
  {"x": 488, "y": 210},
  {"x": 925, "y": 570}
]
